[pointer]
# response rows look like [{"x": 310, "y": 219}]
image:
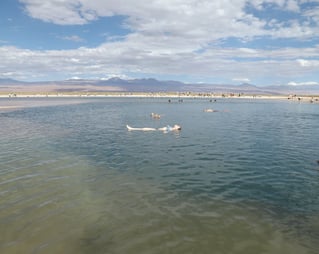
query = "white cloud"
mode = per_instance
[
  {"x": 75, "y": 78},
  {"x": 308, "y": 63},
  {"x": 313, "y": 14},
  {"x": 201, "y": 18},
  {"x": 56, "y": 11},
  {"x": 120, "y": 58},
  {"x": 248, "y": 50},
  {"x": 7, "y": 74},
  {"x": 292, "y": 5},
  {"x": 173, "y": 37},
  {"x": 109, "y": 76},
  {"x": 74, "y": 38},
  {"x": 199, "y": 22},
  {"x": 245, "y": 80},
  {"x": 303, "y": 83}
]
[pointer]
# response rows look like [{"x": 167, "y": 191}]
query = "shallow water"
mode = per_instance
[{"x": 241, "y": 180}]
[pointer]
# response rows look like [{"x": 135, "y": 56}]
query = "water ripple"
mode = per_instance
[{"x": 73, "y": 180}]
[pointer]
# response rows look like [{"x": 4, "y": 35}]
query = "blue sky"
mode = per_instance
[{"x": 274, "y": 42}]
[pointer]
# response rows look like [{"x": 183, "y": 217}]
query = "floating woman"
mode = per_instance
[
  {"x": 155, "y": 116},
  {"x": 167, "y": 128}
]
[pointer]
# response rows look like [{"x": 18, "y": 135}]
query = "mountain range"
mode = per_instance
[{"x": 149, "y": 85}]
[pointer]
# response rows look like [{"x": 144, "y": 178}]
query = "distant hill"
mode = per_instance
[
  {"x": 149, "y": 85},
  {"x": 8, "y": 81},
  {"x": 143, "y": 85}
]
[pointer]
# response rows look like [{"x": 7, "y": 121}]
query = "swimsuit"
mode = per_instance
[{"x": 169, "y": 128}]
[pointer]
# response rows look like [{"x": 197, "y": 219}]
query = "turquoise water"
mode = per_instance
[{"x": 244, "y": 179}]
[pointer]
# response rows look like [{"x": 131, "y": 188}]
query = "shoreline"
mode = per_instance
[
  {"x": 11, "y": 102},
  {"x": 153, "y": 94},
  {"x": 178, "y": 95}
]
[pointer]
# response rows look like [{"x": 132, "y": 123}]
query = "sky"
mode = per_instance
[{"x": 272, "y": 42}]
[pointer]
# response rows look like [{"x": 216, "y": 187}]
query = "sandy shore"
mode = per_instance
[
  {"x": 9, "y": 102},
  {"x": 8, "y": 107},
  {"x": 210, "y": 96}
]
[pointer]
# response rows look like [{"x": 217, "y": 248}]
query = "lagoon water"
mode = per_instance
[{"x": 241, "y": 180}]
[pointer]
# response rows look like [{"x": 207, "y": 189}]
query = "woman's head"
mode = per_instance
[{"x": 177, "y": 127}]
